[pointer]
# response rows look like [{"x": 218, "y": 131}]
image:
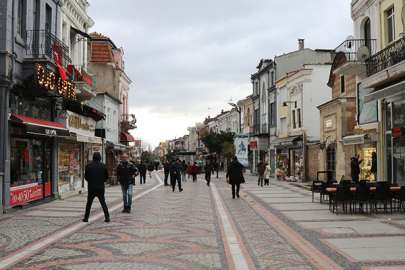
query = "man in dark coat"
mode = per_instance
[
  {"x": 96, "y": 174},
  {"x": 126, "y": 172},
  {"x": 208, "y": 171},
  {"x": 235, "y": 176},
  {"x": 261, "y": 167},
  {"x": 175, "y": 168},
  {"x": 150, "y": 168},
  {"x": 166, "y": 168},
  {"x": 355, "y": 167},
  {"x": 157, "y": 163},
  {"x": 142, "y": 172},
  {"x": 374, "y": 165}
]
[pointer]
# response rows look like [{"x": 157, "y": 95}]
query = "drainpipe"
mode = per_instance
[{"x": 5, "y": 152}]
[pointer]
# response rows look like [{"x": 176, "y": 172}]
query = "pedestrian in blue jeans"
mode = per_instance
[
  {"x": 183, "y": 170},
  {"x": 126, "y": 172}
]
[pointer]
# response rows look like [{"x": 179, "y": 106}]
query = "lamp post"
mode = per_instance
[
  {"x": 238, "y": 109},
  {"x": 197, "y": 130}
]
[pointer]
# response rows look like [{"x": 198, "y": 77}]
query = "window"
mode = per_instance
[
  {"x": 48, "y": 19},
  {"x": 390, "y": 24},
  {"x": 114, "y": 119},
  {"x": 272, "y": 78},
  {"x": 272, "y": 114},
  {"x": 109, "y": 118},
  {"x": 294, "y": 124},
  {"x": 299, "y": 117},
  {"x": 342, "y": 84},
  {"x": 257, "y": 88},
  {"x": 264, "y": 99},
  {"x": 20, "y": 18},
  {"x": 367, "y": 34}
]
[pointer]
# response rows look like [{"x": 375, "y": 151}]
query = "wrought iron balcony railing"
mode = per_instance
[
  {"x": 387, "y": 57},
  {"x": 130, "y": 118},
  {"x": 42, "y": 43},
  {"x": 81, "y": 73},
  {"x": 351, "y": 46}
]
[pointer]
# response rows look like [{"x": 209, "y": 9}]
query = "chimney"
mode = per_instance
[{"x": 301, "y": 44}]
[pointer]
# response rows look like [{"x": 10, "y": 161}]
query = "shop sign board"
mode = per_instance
[
  {"x": 79, "y": 124},
  {"x": 53, "y": 82},
  {"x": 397, "y": 132},
  {"x": 351, "y": 141},
  {"x": 27, "y": 193},
  {"x": 253, "y": 144}
]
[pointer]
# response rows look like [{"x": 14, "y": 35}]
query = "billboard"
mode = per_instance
[{"x": 241, "y": 148}]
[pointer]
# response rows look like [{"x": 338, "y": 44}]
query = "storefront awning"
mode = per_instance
[
  {"x": 355, "y": 139},
  {"x": 42, "y": 127},
  {"x": 126, "y": 137},
  {"x": 286, "y": 141},
  {"x": 88, "y": 139},
  {"x": 81, "y": 32},
  {"x": 393, "y": 90}
]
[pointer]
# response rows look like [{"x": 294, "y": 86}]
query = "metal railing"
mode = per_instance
[
  {"x": 81, "y": 73},
  {"x": 387, "y": 57},
  {"x": 350, "y": 47},
  {"x": 41, "y": 43},
  {"x": 130, "y": 118}
]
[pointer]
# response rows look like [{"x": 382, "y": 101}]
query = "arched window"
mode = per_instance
[{"x": 367, "y": 34}]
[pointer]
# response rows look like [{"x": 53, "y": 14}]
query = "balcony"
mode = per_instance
[
  {"x": 42, "y": 44},
  {"x": 84, "y": 80},
  {"x": 128, "y": 121},
  {"x": 345, "y": 56},
  {"x": 387, "y": 65}
]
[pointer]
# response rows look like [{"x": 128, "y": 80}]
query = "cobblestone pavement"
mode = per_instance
[{"x": 270, "y": 227}]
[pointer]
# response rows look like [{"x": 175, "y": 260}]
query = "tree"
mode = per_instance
[
  {"x": 228, "y": 149},
  {"x": 214, "y": 141}
]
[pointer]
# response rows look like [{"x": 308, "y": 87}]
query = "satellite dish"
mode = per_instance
[
  {"x": 240, "y": 103},
  {"x": 363, "y": 53}
]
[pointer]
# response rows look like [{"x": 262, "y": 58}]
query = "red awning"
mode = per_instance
[
  {"x": 126, "y": 137},
  {"x": 42, "y": 127}
]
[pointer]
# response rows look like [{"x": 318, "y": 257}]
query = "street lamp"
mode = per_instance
[
  {"x": 239, "y": 110},
  {"x": 197, "y": 130},
  {"x": 285, "y": 103}
]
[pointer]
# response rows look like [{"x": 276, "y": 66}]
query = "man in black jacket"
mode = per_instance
[
  {"x": 175, "y": 168},
  {"x": 355, "y": 167},
  {"x": 96, "y": 174},
  {"x": 126, "y": 172},
  {"x": 142, "y": 172},
  {"x": 166, "y": 168},
  {"x": 208, "y": 171},
  {"x": 234, "y": 176}
]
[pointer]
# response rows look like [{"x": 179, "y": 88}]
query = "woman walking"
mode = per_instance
[
  {"x": 267, "y": 172},
  {"x": 194, "y": 171},
  {"x": 188, "y": 169},
  {"x": 234, "y": 176}
]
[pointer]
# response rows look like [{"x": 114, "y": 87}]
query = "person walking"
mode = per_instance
[
  {"x": 157, "y": 163},
  {"x": 208, "y": 171},
  {"x": 194, "y": 171},
  {"x": 234, "y": 176},
  {"x": 150, "y": 169},
  {"x": 267, "y": 173},
  {"x": 374, "y": 165},
  {"x": 175, "y": 168},
  {"x": 261, "y": 167},
  {"x": 183, "y": 170},
  {"x": 96, "y": 174},
  {"x": 216, "y": 167},
  {"x": 188, "y": 169},
  {"x": 126, "y": 172},
  {"x": 142, "y": 172},
  {"x": 355, "y": 167},
  {"x": 166, "y": 169}
]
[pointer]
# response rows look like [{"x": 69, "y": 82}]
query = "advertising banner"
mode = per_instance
[
  {"x": 241, "y": 148},
  {"x": 27, "y": 193}
]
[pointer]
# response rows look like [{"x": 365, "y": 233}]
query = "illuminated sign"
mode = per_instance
[
  {"x": 53, "y": 82},
  {"x": 397, "y": 132}
]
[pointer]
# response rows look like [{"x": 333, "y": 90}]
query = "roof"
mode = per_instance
[{"x": 101, "y": 53}]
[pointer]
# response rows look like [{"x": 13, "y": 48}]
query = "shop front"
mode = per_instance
[
  {"x": 364, "y": 145},
  {"x": 259, "y": 147},
  {"x": 75, "y": 152},
  {"x": 289, "y": 158},
  {"x": 31, "y": 155},
  {"x": 114, "y": 152}
]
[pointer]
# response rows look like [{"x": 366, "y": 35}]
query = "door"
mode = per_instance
[{"x": 398, "y": 161}]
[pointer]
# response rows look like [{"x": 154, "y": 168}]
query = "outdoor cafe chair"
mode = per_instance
[
  {"x": 382, "y": 195},
  {"x": 362, "y": 197},
  {"x": 343, "y": 196},
  {"x": 316, "y": 188},
  {"x": 324, "y": 192},
  {"x": 400, "y": 198},
  {"x": 345, "y": 182}
]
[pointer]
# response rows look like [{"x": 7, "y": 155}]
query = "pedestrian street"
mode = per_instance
[{"x": 270, "y": 227}]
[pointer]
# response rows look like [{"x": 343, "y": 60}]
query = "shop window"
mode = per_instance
[
  {"x": 388, "y": 116},
  {"x": 70, "y": 166},
  {"x": 365, "y": 151},
  {"x": 399, "y": 113},
  {"x": 30, "y": 161}
]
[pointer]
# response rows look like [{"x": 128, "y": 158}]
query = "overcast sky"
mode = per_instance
[{"x": 187, "y": 58}]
